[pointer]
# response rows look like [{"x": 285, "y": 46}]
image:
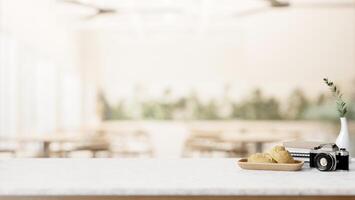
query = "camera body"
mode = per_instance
[{"x": 328, "y": 157}]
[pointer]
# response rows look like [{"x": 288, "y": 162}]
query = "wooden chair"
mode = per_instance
[
  {"x": 94, "y": 144},
  {"x": 208, "y": 146},
  {"x": 10, "y": 151},
  {"x": 131, "y": 144}
]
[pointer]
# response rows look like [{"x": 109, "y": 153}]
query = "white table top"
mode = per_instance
[{"x": 163, "y": 177}]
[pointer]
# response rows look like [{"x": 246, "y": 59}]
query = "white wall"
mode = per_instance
[
  {"x": 299, "y": 47},
  {"x": 277, "y": 50}
]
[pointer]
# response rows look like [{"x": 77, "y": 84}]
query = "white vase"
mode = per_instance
[{"x": 343, "y": 140}]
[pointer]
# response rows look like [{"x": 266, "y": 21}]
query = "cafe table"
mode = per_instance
[
  {"x": 46, "y": 140},
  {"x": 257, "y": 138},
  {"x": 172, "y": 179}
]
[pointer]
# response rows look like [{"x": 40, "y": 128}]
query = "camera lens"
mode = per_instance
[{"x": 325, "y": 162}]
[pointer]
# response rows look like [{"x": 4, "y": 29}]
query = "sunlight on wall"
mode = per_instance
[{"x": 278, "y": 51}]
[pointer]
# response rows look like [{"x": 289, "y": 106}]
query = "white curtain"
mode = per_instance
[
  {"x": 28, "y": 89},
  {"x": 40, "y": 91},
  {"x": 8, "y": 85},
  {"x": 36, "y": 96}
]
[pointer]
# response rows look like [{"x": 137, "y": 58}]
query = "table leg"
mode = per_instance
[
  {"x": 46, "y": 150},
  {"x": 259, "y": 147}
]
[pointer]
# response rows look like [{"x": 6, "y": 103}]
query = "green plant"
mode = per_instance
[{"x": 341, "y": 105}]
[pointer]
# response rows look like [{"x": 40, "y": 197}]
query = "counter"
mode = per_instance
[{"x": 177, "y": 178}]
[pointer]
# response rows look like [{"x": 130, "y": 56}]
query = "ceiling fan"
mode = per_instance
[
  {"x": 270, "y": 4},
  {"x": 100, "y": 10},
  {"x": 282, "y": 4}
]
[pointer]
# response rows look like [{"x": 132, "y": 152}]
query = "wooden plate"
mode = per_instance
[{"x": 243, "y": 163}]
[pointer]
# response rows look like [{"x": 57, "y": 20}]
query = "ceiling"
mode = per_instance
[
  {"x": 163, "y": 16},
  {"x": 182, "y": 15}
]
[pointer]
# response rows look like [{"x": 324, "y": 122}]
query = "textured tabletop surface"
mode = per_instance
[{"x": 163, "y": 177}]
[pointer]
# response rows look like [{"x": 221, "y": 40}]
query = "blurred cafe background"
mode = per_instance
[{"x": 171, "y": 78}]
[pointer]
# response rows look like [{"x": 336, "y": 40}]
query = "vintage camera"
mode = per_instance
[{"x": 328, "y": 157}]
